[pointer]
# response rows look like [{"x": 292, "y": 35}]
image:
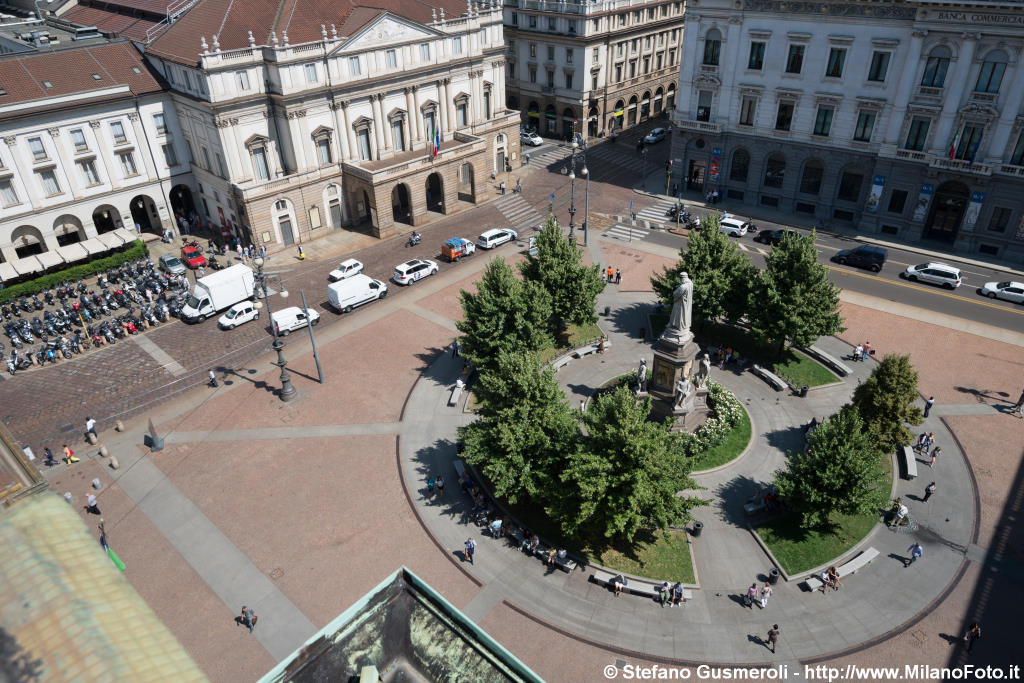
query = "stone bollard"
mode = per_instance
[
  {"x": 104, "y": 452},
  {"x": 97, "y": 484},
  {"x": 119, "y": 426},
  {"x": 114, "y": 464},
  {"x": 91, "y": 438}
]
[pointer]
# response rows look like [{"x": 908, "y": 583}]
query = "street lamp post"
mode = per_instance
[
  {"x": 586, "y": 202},
  {"x": 643, "y": 155},
  {"x": 288, "y": 391},
  {"x": 572, "y": 191}
]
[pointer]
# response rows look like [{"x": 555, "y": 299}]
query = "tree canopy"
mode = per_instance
[
  {"x": 840, "y": 472},
  {"x": 885, "y": 401}
]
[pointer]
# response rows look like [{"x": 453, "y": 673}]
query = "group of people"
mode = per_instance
[
  {"x": 725, "y": 354},
  {"x": 759, "y": 596},
  {"x": 712, "y": 197},
  {"x": 924, "y": 442},
  {"x": 611, "y": 275},
  {"x": 862, "y": 351},
  {"x": 830, "y": 579},
  {"x": 670, "y": 594}
]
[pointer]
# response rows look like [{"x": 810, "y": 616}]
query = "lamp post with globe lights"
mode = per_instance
[
  {"x": 288, "y": 391},
  {"x": 572, "y": 188}
]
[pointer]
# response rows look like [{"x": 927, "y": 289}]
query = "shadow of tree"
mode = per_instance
[
  {"x": 631, "y": 320},
  {"x": 731, "y": 496},
  {"x": 15, "y": 663},
  {"x": 787, "y": 439}
]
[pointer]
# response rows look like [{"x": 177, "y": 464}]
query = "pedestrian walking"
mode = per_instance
[
  {"x": 455, "y": 348},
  {"x": 439, "y": 485},
  {"x": 90, "y": 427},
  {"x": 928, "y": 405},
  {"x": 611, "y": 274},
  {"x": 50, "y": 461},
  {"x": 928, "y": 491},
  {"x": 519, "y": 186},
  {"x": 430, "y": 488},
  {"x": 263, "y": 251},
  {"x": 915, "y": 551},
  {"x": 302, "y": 254},
  {"x": 604, "y": 275},
  {"x": 858, "y": 353},
  {"x": 69, "y": 455},
  {"x": 1018, "y": 407},
  {"x": 249, "y": 618},
  {"x": 920, "y": 443},
  {"x": 751, "y": 596},
  {"x": 935, "y": 456},
  {"x": 501, "y": 185},
  {"x": 470, "y": 549},
  {"x": 972, "y": 634},
  {"x": 245, "y": 254},
  {"x": 618, "y": 276},
  {"x": 766, "y": 592},
  {"x": 773, "y": 636},
  {"x": 213, "y": 379},
  {"x": 238, "y": 247},
  {"x": 90, "y": 504}
]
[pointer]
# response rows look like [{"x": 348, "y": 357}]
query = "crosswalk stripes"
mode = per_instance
[
  {"x": 625, "y": 233},
  {"x": 611, "y": 154},
  {"x": 656, "y": 213},
  {"x": 547, "y": 156},
  {"x": 759, "y": 250},
  {"x": 520, "y": 215}
]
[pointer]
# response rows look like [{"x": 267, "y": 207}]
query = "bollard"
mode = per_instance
[
  {"x": 91, "y": 438},
  {"x": 114, "y": 464},
  {"x": 104, "y": 452},
  {"x": 119, "y": 426},
  {"x": 97, "y": 484}
]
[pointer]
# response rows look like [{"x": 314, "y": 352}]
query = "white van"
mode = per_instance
[
  {"x": 355, "y": 291},
  {"x": 495, "y": 238},
  {"x": 293, "y": 318}
]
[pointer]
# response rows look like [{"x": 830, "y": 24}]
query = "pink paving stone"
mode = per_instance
[
  {"x": 325, "y": 518},
  {"x": 955, "y": 367},
  {"x": 637, "y": 266},
  {"x": 445, "y": 302}
]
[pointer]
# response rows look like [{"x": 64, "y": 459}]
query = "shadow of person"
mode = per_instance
[
  {"x": 240, "y": 621},
  {"x": 951, "y": 639},
  {"x": 757, "y": 640},
  {"x": 903, "y": 560}
]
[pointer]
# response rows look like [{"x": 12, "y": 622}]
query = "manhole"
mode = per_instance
[{"x": 276, "y": 573}]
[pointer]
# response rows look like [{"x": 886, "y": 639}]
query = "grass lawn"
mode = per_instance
[
  {"x": 801, "y": 370},
  {"x": 798, "y": 549},
  {"x": 660, "y": 558},
  {"x": 573, "y": 337},
  {"x": 734, "y": 443}
]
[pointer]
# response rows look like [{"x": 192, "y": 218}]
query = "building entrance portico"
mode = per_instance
[{"x": 947, "y": 212}]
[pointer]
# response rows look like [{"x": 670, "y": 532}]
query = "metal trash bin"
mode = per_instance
[
  {"x": 773, "y": 576},
  {"x": 803, "y": 391},
  {"x": 607, "y": 311},
  {"x": 698, "y": 527}
]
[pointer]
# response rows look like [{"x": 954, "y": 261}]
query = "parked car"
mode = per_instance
[
  {"x": 495, "y": 238},
  {"x": 293, "y": 318},
  {"x": 1008, "y": 291},
  {"x": 456, "y": 248},
  {"x": 355, "y": 291},
  {"x": 411, "y": 271},
  {"x": 192, "y": 257},
  {"x": 934, "y": 274},
  {"x": 240, "y": 313},
  {"x": 531, "y": 138},
  {"x": 172, "y": 264},
  {"x": 773, "y": 237},
  {"x": 865, "y": 256},
  {"x": 656, "y": 135},
  {"x": 345, "y": 269},
  {"x": 734, "y": 227}
]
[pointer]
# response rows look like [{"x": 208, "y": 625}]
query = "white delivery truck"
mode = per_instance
[
  {"x": 218, "y": 291},
  {"x": 355, "y": 291}
]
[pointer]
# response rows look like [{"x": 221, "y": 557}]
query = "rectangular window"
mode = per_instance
[
  {"x": 551, "y": 53},
  {"x": 1017, "y": 157},
  {"x": 220, "y": 165},
  {"x": 243, "y": 80},
  {"x": 50, "y": 184},
  {"x": 622, "y": 20},
  {"x": 879, "y": 66},
  {"x": 897, "y": 200},
  {"x": 849, "y": 186},
  {"x": 968, "y": 142},
  {"x": 398, "y": 135},
  {"x": 38, "y": 151},
  {"x": 170, "y": 158},
  {"x": 657, "y": 62},
  {"x": 990, "y": 77},
  {"x": 568, "y": 81},
  {"x": 158, "y": 122},
  {"x": 647, "y": 43},
  {"x": 635, "y": 46},
  {"x": 533, "y": 21},
  {"x": 259, "y": 163},
  {"x": 836, "y": 60},
  {"x": 756, "y": 60},
  {"x": 8, "y": 197},
  {"x": 206, "y": 159},
  {"x": 89, "y": 172},
  {"x": 632, "y": 69},
  {"x": 117, "y": 130},
  {"x": 323, "y": 150},
  {"x": 1000, "y": 219},
  {"x": 513, "y": 19},
  {"x": 672, "y": 57},
  {"x": 593, "y": 82},
  {"x": 425, "y": 52},
  {"x": 191, "y": 156},
  {"x": 618, "y": 73},
  {"x": 572, "y": 27},
  {"x": 314, "y": 217},
  {"x": 533, "y": 75},
  {"x": 747, "y": 107},
  {"x": 390, "y": 59},
  {"x": 918, "y": 133},
  {"x": 795, "y": 59},
  {"x": 206, "y": 208},
  {"x": 533, "y": 50},
  {"x": 935, "y": 72},
  {"x": 784, "y": 118},
  {"x": 619, "y": 48},
  {"x": 551, "y": 78},
  {"x": 551, "y": 23},
  {"x": 823, "y": 121},
  {"x": 128, "y": 164},
  {"x": 310, "y": 70},
  {"x": 712, "y": 52},
  {"x": 865, "y": 125},
  {"x": 461, "y": 114},
  {"x": 647, "y": 65},
  {"x": 353, "y": 66},
  {"x": 704, "y": 105},
  {"x": 568, "y": 55},
  {"x": 457, "y": 45},
  {"x": 78, "y": 138}
]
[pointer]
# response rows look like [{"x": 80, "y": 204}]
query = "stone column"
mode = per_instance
[
  {"x": 147, "y": 167},
  {"x": 442, "y": 107},
  {"x": 727, "y": 91},
  {"x": 1013, "y": 93},
  {"x": 348, "y": 133},
  {"x": 236, "y": 169},
  {"x": 909, "y": 79},
  {"x": 417, "y": 116},
  {"x": 66, "y": 164},
  {"x": 295, "y": 130},
  {"x": 498, "y": 91},
  {"x": 690, "y": 67},
  {"x": 410, "y": 119},
  {"x": 955, "y": 86},
  {"x": 448, "y": 106},
  {"x": 101, "y": 157},
  {"x": 378, "y": 123},
  {"x": 339, "y": 132}
]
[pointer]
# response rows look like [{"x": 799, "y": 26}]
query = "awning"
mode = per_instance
[
  {"x": 534, "y": 114},
  {"x": 27, "y": 266},
  {"x": 617, "y": 112},
  {"x": 73, "y": 252},
  {"x": 126, "y": 235},
  {"x": 7, "y": 272},
  {"x": 49, "y": 259},
  {"x": 93, "y": 246},
  {"x": 110, "y": 240}
]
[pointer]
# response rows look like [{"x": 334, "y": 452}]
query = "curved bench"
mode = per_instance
[
  {"x": 774, "y": 380},
  {"x": 862, "y": 560},
  {"x": 635, "y": 586},
  {"x": 829, "y": 360}
]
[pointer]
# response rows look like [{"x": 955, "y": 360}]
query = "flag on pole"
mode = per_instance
[
  {"x": 437, "y": 142},
  {"x": 956, "y": 141}
]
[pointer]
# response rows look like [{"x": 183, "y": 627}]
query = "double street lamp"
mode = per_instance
[
  {"x": 572, "y": 191},
  {"x": 288, "y": 391}
]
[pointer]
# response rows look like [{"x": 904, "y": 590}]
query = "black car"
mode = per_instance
[
  {"x": 773, "y": 237},
  {"x": 865, "y": 256}
]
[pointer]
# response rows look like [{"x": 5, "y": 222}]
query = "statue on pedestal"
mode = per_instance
[
  {"x": 683, "y": 390},
  {"x": 703, "y": 373},
  {"x": 682, "y": 303},
  {"x": 641, "y": 376}
]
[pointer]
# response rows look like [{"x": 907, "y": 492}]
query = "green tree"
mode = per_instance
[
  {"x": 885, "y": 402},
  {"x": 505, "y": 314},
  {"x": 840, "y": 472},
  {"x": 624, "y": 476},
  {"x": 793, "y": 299},
  {"x": 558, "y": 267},
  {"x": 525, "y": 429},
  {"x": 721, "y": 274}
]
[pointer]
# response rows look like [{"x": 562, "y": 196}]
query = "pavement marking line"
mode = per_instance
[
  {"x": 435, "y": 318},
  {"x": 483, "y": 602},
  {"x": 279, "y": 433},
  {"x": 159, "y": 355},
  {"x": 929, "y": 290}
]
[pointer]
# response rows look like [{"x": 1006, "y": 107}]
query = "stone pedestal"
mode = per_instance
[{"x": 674, "y": 356}]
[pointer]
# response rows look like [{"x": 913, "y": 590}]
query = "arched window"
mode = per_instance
[
  {"x": 712, "y": 47},
  {"x": 740, "y": 166},
  {"x": 936, "y": 66},
  {"x": 775, "y": 171},
  {"x": 810, "y": 180},
  {"x": 991, "y": 75}
]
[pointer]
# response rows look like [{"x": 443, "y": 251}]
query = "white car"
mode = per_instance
[
  {"x": 656, "y": 135},
  {"x": 734, "y": 227},
  {"x": 495, "y": 238},
  {"x": 411, "y": 271},
  {"x": 531, "y": 138},
  {"x": 934, "y": 274},
  {"x": 240, "y": 313},
  {"x": 345, "y": 269},
  {"x": 1008, "y": 291},
  {"x": 293, "y": 318}
]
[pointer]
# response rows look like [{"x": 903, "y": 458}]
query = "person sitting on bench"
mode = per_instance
[
  {"x": 677, "y": 594},
  {"x": 665, "y": 593},
  {"x": 497, "y": 528},
  {"x": 619, "y": 582}
]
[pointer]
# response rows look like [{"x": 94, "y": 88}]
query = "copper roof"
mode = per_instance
[{"x": 231, "y": 20}]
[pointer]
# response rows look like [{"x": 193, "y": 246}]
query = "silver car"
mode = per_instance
[
  {"x": 172, "y": 264},
  {"x": 1008, "y": 291}
]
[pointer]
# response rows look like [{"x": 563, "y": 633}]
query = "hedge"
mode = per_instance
[{"x": 136, "y": 250}]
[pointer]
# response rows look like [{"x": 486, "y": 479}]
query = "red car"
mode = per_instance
[{"x": 193, "y": 257}]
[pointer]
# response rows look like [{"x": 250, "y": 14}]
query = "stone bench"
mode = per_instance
[
  {"x": 635, "y": 586},
  {"x": 829, "y": 360},
  {"x": 774, "y": 380},
  {"x": 589, "y": 349},
  {"x": 460, "y": 469},
  {"x": 906, "y": 454},
  {"x": 566, "y": 565},
  {"x": 862, "y": 560},
  {"x": 453, "y": 400},
  {"x": 560, "y": 363}
]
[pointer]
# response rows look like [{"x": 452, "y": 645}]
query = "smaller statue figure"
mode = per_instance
[
  {"x": 683, "y": 390},
  {"x": 703, "y": 373},
  {"x": 641, "y": 376}
]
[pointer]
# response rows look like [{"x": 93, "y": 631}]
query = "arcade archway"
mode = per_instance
[{"x": 947, "y": 213}]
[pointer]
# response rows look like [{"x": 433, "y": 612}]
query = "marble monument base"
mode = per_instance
[{"x": 689, "y": 417}]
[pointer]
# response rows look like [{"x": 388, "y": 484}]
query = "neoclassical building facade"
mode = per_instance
[
  {"x": 901, "y": 119},
  {"x": 596, "y": 65},
  {"x": 367, "y": 118}
]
